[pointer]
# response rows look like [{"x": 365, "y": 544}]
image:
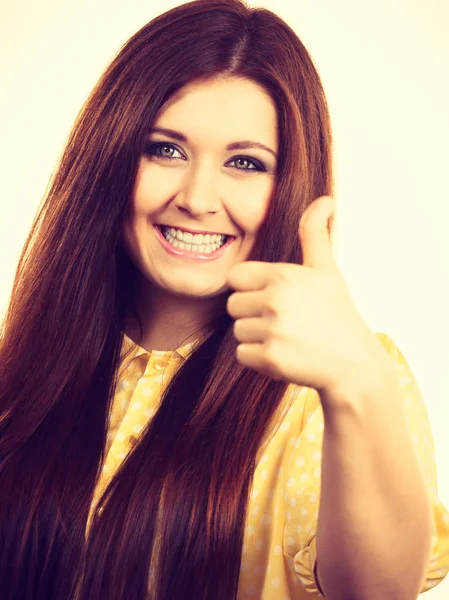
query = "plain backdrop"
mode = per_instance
[{"x": 385, "y": 70}]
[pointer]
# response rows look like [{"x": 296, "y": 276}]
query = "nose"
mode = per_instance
[{"x": 198, "y": 193}]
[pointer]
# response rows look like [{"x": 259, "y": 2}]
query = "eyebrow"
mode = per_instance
[{"x": 242, "y": 145}]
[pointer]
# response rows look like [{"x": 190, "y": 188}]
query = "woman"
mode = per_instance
[{"x": 205, "y": 417}]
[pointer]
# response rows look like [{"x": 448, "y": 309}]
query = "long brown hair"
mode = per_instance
[{"x": 185, "y": 485}]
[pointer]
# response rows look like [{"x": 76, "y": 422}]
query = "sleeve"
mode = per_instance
[
  {"x": 421, "y": 435},
  {"x": 302, "y": 483}
]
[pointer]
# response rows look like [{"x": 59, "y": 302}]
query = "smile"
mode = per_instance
[{"x": 204, "y": 252}]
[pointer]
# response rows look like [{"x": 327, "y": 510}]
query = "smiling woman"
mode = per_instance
[{"x": 139, "y": 458}]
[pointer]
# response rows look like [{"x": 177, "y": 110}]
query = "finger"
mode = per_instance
[
  {"x": 250, "y": 275},
  {"x": 250, "y": 331},
  {"x": 255, "y": 357},
  {"x": 245, "y": 304}
]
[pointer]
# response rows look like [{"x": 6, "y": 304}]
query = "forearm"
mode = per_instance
[{"x": 375, "y": 521}]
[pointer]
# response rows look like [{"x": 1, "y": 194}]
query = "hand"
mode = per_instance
[{"x": 298, "y": 323}]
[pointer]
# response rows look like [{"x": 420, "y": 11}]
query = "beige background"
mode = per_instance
[{"x": 384, "y": 66}]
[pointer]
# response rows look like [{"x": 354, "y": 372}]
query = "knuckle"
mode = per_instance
[
  {"x": 275, "y": 300},
  {"x": 282, "y": 275},
  {"x": 271, "y": 328},
  {"x": 271, "y": 301},
  {"x": 270, "y": 354}
]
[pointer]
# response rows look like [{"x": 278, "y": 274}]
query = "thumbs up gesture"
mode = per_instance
[{"x": 298, "y": 323}]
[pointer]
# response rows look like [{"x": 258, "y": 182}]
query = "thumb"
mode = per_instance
[{"x": 314, "y": 234}]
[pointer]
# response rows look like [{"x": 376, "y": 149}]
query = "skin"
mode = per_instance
[{"x": 203, "y": 187}]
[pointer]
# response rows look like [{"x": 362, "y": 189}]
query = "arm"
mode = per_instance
[{"x": 375, "y": 518}]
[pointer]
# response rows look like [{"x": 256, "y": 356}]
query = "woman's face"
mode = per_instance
[{"x": 198, "y": 184}]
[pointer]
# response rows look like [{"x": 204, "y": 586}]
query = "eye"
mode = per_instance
[
  {"x": 153, "y": 150},
  {"x": 258, "y": 166}
]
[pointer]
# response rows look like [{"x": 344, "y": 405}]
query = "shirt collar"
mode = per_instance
[{"x": 131, "y": 347}]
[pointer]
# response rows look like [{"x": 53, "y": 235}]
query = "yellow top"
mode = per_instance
[{"x": 279, "y": 549}]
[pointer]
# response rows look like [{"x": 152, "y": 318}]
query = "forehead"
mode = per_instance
[{"x": 227, "y": 107}]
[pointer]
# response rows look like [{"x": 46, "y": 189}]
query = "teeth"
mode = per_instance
[
  {"x": 197, "y": 238},
  {"x": 179, "y": 240}
]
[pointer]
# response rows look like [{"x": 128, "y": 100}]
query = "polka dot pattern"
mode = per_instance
[{"x": 279, "y": 546}]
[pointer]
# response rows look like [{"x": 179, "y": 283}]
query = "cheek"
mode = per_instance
[
  {"x": 249, "y": 214},
  {"x": 151, "y": 189}
]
